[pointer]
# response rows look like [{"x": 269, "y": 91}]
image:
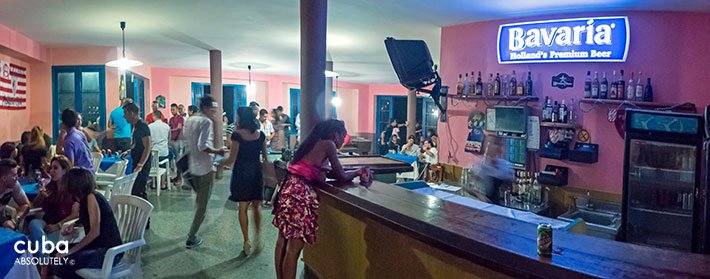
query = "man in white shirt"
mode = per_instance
[
  {"x": 199, "y": 134},
  {"x": 160, "y": 135},
  {"x": 429, "y": 155},
  {"x": 266, "y": 126}
]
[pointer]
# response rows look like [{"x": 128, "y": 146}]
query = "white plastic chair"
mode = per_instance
[
  {"x": 408, "y": 176},
  {"x": 156, "y": 172},
  {"x": 122, "y": 185},
  {"x": 97, "y": 157},
  {"x": 106, "y": 179},
  {"x": 52, "y": 151},
  {"x": 131, "y": 217}
]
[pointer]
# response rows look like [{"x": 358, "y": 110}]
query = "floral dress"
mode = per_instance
[{"x": 296, "y": 210}]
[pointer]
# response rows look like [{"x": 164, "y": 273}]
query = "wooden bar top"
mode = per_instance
[{"x": 508, "y": 245}]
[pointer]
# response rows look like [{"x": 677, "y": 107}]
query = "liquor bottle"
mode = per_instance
[
  {"x": 572, "y": 115},
  {"x": 520, "y": 89},
  {"x": 512, "y": 85},
  {"x": 529, "y": 85},
  {"x": 639, "y": 89},
  {"x": 604, "y": 87},
  {"x": 563, "y": 112},
  {"x": 555, "y": 115},
  {"x": 470, "y": 87},
  {"x": 546, "y": 110},
  {"x": 648, "y": 93},
  {"x": 613, "y": 88},
  {"x": 621, "y": 87},
  {"x": 630, "y": 88},
  {"x": 496, "y": 85},
  {"x": 588, "y": 86},
  {"x": 595, "y": 86},
  {"x": 479, "y": 85},
  {"x": 490, "y": 85},
  {"x": 460, "y": 85}
]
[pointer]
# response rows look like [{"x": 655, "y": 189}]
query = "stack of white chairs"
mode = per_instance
[
  {"x": 96, "y": 160},
  {"x": 106, "y": 180}
]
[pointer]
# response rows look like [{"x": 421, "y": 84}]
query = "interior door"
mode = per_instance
[{"x": 82, "y": 88}]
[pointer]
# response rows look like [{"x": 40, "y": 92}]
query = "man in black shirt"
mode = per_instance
[{"x": 140, "y": 149}]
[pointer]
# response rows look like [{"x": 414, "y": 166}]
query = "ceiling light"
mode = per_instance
[
  {"x": 123, "y": 62},
  {"x": 330, "y": 74},
  {"x": 336, "y": 101},
  {"x": 251, "y": 89}
]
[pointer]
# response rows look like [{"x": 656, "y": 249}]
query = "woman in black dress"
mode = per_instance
[
  {"x": 247, "y": 181},
  {"x": 99, "y": 223}
]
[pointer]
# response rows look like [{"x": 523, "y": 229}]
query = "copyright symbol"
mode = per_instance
[{"x": 72, "y": 262}]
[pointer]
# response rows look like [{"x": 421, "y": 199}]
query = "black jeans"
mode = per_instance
[{"x": 142, "y": 180}]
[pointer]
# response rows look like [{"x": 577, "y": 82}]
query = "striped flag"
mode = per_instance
[{"x": 13, "y": 86}]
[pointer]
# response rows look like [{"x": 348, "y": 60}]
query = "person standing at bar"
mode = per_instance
[
  {"x": 76, "y": 147},
  {"x": 176, "y": 123},
  {"x": 248, "y": 143},
  {"x": 266, "y": 126},
  {"x": 150, "y": 117},
  {"x": 199, "y": 132},
  {"x": 295, "y": 212},
  {"x": 121, "y": 128},
  {"x": 140, "y": 151},
  {"x": 493, "y": 172}
]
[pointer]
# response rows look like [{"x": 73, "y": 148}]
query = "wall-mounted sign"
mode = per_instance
[
  {"x": 594, "y": 39},
  {"x": 562, "y": 81}
]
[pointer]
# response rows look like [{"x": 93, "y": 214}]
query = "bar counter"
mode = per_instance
[{"x": 385, "y": 231}]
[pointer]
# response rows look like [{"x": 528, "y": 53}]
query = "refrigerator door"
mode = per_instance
[{"x": 660, "y": 195}]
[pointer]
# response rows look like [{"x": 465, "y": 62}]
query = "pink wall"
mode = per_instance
[
  {"x": 21, "y": 44},
  {"x": 272, "y": 90},
  {"x": 671, "y": 48}
]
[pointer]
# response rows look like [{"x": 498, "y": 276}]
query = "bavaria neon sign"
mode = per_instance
[{"x": 593, "y": 39}]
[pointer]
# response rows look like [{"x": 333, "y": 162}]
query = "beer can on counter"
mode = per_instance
[
  {"x": 544, "y": 239},
  {"x": 365, "y": 176}
]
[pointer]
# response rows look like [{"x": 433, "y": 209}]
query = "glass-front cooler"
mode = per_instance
[{"x": 661, "y": 203}]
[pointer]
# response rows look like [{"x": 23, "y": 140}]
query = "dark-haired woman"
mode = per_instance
[
  {"x": 296, "y": 209},
  {"x": 99, "y": 223},
  {"x": 34, "y": 153},
  {"x": 248, "y": 149}
]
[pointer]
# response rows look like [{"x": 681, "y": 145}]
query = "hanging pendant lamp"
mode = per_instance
[
  {"x": 251, "y": 89},
  {"x": 123, "y": 62}
]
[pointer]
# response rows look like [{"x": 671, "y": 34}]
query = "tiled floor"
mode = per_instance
[{"x": 165, "y": 255}]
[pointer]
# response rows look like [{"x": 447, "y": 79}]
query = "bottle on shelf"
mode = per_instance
[
  {"x": 496, "y": 85},
  {"x": 479, "y": 85},
  {"x": 639, "y": 88},
  {"x": 588, "y": 86},
  {"x": 547, "y": 110},
  {"x": 648, "y": 92},
  {"x": 512, "y": 84},
  {"x": 529, "y": 85},
  {"x": 603, "y": 87},
  {"x": 490, "y": 85},
  {"x": 613, "y": 87},
  {"x": 520, "y": 89},
  {"x": 460, "y": 86},
  {"x": 555, "y": 116},
  {"x": 595, "y": 86},
  {"x": 631, "y": 88},
  {"x": 563, "y": 114},
  {"x": 571, "y": 118},
  {"x": 621, "y": 87},
  {"x": 469, "y": 88}
]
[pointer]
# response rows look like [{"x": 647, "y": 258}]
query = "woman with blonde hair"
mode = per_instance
[{"x": 34, "y": 153}]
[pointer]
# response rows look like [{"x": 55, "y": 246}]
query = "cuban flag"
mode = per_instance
[{"x": 13, "y": 86}]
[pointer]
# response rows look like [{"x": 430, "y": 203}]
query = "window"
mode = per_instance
[{"x": 82, "y": 88}]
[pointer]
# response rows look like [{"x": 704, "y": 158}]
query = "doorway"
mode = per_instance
[
  {"x": 81, "y": 88},
  {"x": 135, "y": 89},
  {"x": 233, "y": 97},
  {"x": 395, "y": 107}
]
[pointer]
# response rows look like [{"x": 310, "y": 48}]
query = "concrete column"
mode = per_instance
[
  {"x": 411, "y": 112},
  {"x": 313, "y": 47},
  {"x": 328, "y": 91},
  {"x": 216, "y": 92}
]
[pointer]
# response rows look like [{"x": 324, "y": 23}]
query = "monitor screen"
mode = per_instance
[{"x": 511, "y": 119}]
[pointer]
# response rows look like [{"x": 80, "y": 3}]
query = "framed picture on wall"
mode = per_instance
[{"x": 161, "y": 101}]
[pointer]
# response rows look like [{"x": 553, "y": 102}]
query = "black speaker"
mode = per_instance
[{"x": 412, "y": 62}]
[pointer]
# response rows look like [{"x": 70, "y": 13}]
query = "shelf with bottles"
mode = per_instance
[
  {"x": 496, "y": 98},
  {"x": 501, "y": 88},
  {"x": 559, "y": 125},
  {"x": 619, "y": 92}
]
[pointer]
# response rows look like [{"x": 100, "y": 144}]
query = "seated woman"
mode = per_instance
[
  {"x": 393, "y": 144},
  {"x": 295, "y": 211},
  {"x": 34, "y": 153},
  {"x": 99, "y": 223},
  {"x": 57, "y": 205}
]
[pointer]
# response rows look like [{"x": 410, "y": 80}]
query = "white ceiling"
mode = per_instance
[{"x": 265, "y": 33}]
